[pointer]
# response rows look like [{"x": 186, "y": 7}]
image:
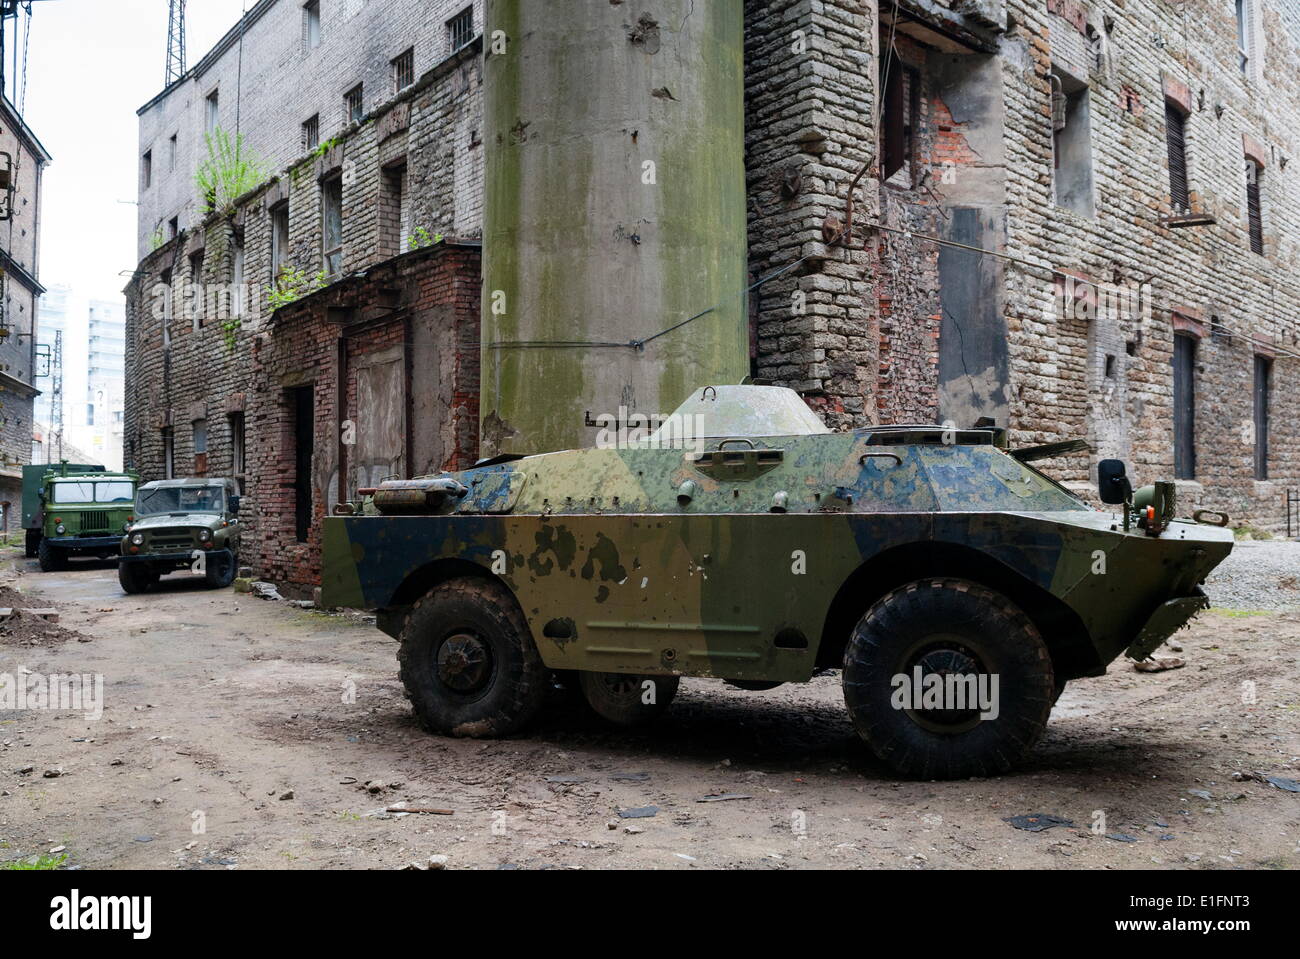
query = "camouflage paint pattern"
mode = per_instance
[{"x": 670, "y": 561}]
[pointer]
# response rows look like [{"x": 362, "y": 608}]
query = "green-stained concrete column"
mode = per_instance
[{"x": 615, "y": 208}]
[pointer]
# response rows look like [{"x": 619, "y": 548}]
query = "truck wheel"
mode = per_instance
[
  {"x": 134, "y": 577},
  {"x": 33, "y": 542},
  {"x": 468, "y": 661},
  {"x": 622, "y": 698},
  {"x": 51, "y": 560},
  {"x": 219, "y": 571},
  {"x": 947, "y": 628}
]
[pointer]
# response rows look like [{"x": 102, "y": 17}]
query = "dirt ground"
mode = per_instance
[{"x": 227, "y": 741}]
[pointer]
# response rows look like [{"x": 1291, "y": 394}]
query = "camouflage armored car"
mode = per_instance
[
  {"x": 956, "y": 586},
  {"x": 186, "y": 524}
]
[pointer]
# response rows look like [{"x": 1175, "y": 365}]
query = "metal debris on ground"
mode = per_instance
[
  {"x": 724, "y": 797},
  {"x": 1154, "y": 665},
  {"x": 1038, "y": 822},
  {"x": 644, "y": 812}
]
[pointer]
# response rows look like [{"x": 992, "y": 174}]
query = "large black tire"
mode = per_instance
[
  {"x": 622, "y": 698},
  {"x": 51, "y": 560},
  {"x": 134, "y": 577},
  {"x": 469, "y": 663},
  {"x": 219, "y": 570},
  {"x": 33, "y": 542},
  {"x": 948, "y": 626}
]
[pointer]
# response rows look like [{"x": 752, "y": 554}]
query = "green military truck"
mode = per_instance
[
  {"x": 73, "y": 510},
  {"x": 183, "y": 524}
]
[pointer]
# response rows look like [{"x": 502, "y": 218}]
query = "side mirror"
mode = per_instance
[
  {"x": 1113, "y": 483},
  {"x": 234, "y": 505}
]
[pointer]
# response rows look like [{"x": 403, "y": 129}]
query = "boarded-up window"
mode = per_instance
[
  {"x": 1184, "y": 407},
  {"x": 1176, "y": 135},
  {"x": 380, "y": 418},
  {"x": 1263, "y": 385},
  {"x": 1254, "y": 212}
]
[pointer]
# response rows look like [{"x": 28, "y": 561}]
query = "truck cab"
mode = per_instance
[{"x": 81, "y": 514}]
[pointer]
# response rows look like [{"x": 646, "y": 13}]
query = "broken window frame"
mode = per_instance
[
  {"x": 331, "y": 198},
  {"x": 279, "y": 215},
  {"x": 901, "y": 104},
  {"x": 238, "y": 448}
]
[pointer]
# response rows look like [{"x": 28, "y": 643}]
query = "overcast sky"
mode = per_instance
[{"x": 90, "y": 65}]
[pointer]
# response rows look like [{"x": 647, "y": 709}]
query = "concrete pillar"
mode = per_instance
[{"x": 615, "y": 208}]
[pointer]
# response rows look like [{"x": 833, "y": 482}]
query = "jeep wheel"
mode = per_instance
[
  {"x": 135, "y": 577},
  {"x": 51, "y": 560},
  {"x": 219, "y": 570},
  {"x": 947, "y": 628},
  {"x": 622, "y": 698},
  {"x": 468, "y": 661}
]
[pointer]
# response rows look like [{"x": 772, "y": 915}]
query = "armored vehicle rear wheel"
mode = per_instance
[
  {"x": 134, "y": 577},
  {"x": 50, "y": 559},
  {"x": 628, "y": 700},
  {"x": 469, "y": 663},
  {"x": 945, "y": 679}
]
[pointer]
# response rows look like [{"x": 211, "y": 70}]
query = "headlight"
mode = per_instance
[
  {"x": 137, "y": 539},
  {"x": 60, "y": 529},
  {"x": 205, "y": 535}
]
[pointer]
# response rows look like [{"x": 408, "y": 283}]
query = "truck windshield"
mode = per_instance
[
  {"x": 185, "y": 499},
  {"x": 89, "y": 491}
]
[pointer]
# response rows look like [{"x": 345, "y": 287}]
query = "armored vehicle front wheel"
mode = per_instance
[
  {"x": 628, "y": 700},
  {"x": 135, "y": 577},
  {"x": 50, "y": 558},
  {"x": 469, "y": 663},
  {"x": 945, "y": 679}
]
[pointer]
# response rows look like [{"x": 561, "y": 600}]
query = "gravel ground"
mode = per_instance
[{"x": 1258, "y": 575}]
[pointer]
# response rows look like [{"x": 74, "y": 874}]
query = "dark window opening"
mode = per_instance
[
  {"x": 901, "y": 107},
  {"x": 1254, "y": 211},
  {"x": 237, "y": 454},
  {"x": 1184, "y": 407},
  {"x": 311, "y": 133},
  {"x": 146, "y": 170},
  {"x": 303, "y": 405},
  {"x": 1263, "y": 385},
  {"x": 354, "y": 104},
  {"x": 1176, "y": 135},
  {"x": 1110, "y": 366}
]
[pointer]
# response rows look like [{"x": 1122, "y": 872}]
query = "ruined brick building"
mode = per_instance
[
  {"x": 22, "y": 166},
  {"x": 1074, "y": 219}
]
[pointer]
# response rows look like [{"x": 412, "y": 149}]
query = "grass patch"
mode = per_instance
[
  {"x": 35, "y": 863},
  {"x": 1242, "y": 613}
]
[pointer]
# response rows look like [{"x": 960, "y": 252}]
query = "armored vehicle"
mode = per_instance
[
  {"x": 79, "y": 511},
  {"x": 956, "y": 586},
  {"x": 185, "y": 524}
]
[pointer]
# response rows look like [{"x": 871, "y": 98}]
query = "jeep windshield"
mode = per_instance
[
  {"x": 181, "y": 499},
  {"x": 78, "y": 492}
]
